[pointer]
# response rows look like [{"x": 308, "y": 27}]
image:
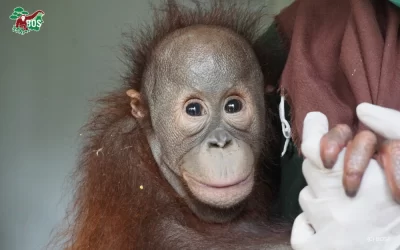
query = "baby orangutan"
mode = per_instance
[{"x": 188, "y": 143}]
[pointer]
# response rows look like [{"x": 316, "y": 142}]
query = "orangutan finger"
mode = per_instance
[
  {"x": 359, "y": 153},
  {"x": 333, "y": 142},
  {"x": 389, "y": 158}
]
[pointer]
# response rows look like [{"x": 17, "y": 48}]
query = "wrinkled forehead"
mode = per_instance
[{"x": 207, "y": 59}]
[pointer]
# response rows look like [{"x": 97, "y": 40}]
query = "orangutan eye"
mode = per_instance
[
  {"x": 233, "y": 106},
  {"x": 194, "y": 109}
]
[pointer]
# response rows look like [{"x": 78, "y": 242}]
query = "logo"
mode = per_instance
[{"x": 25, "y": 22}]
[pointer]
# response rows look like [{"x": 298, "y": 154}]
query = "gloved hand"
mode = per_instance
[{"x": 331, "y": 219}]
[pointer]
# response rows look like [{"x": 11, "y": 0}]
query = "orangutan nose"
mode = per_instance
[{"x": 219, "y": 138}]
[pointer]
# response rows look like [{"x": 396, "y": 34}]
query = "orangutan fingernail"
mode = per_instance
[
  {"x": 389, "y": 158},
  {"x": 333, "y": 142},
  {"x": 352, "y": 184},
  {"x": 359, "y": 153}
]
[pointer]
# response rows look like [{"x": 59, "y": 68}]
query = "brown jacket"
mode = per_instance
[{"x": 340, "y": 53}]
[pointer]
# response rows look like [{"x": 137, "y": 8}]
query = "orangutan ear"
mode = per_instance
[{"x": 137, "y": 106}]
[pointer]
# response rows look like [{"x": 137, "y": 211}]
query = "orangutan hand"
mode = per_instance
[{"x": 364, "y": 146}]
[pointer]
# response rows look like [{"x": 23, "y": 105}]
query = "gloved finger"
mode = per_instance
[
  {"x": 374, "y": 184},
  {"x": 315, "y": 126},
  {"x": 302, "y": 232},
  {"x": 389, "y": 158},
  {"x": 358, "y": 155},
  {"x": 383, "y": 121},
  {"x": 324, "y": 183},
  {"x": 317, "y": 210},
  {"x": 333, "y": 142}
]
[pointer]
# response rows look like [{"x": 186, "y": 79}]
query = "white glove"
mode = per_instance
[{"x": 331, "y": 219}]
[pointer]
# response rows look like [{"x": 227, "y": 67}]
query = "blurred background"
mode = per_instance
[{"x": 46, "y": 81}]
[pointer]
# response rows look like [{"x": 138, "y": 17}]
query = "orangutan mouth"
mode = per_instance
[{"x": 219, "y": 184}]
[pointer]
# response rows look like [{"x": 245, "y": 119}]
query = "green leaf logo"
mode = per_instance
[{"x": 25, "y": 22}]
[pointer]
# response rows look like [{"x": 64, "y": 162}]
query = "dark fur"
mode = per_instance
[{"x": 110, "y": 210}]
